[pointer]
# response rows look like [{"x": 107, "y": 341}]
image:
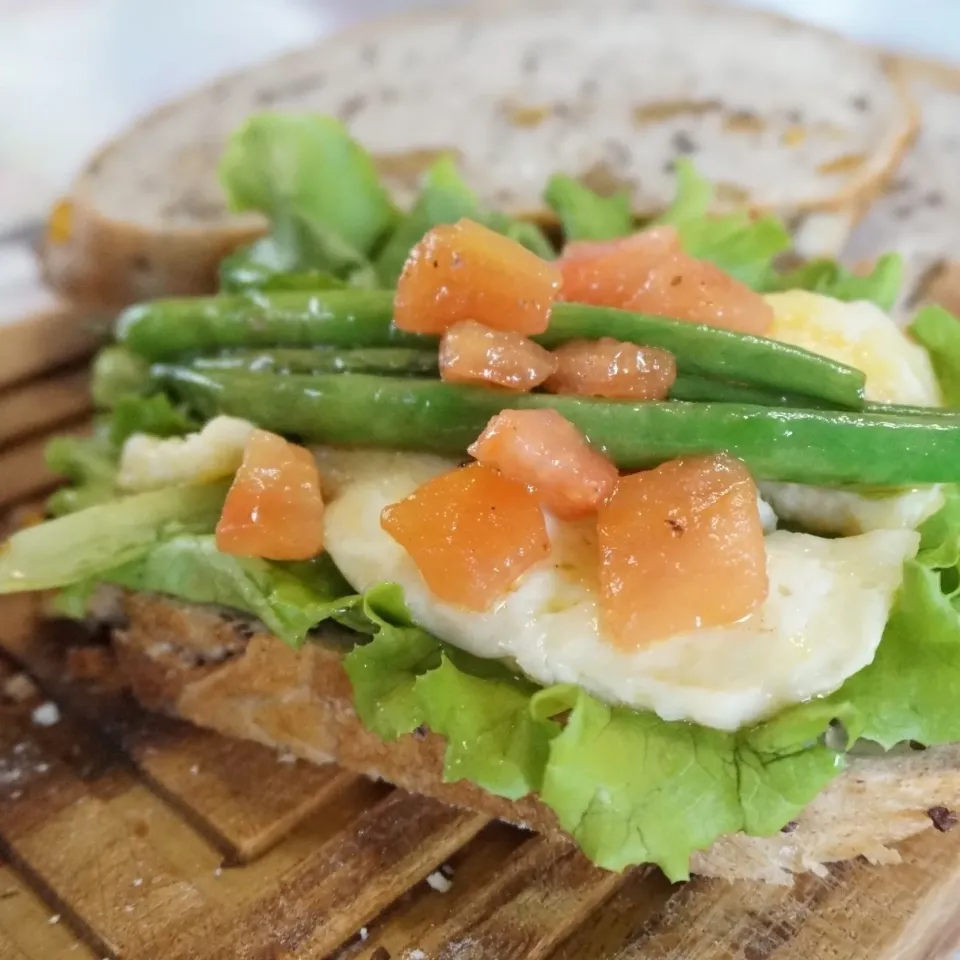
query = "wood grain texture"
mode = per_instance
[
  {"x": 122, "y": 823},
  {"x": 44, "y": 404}
]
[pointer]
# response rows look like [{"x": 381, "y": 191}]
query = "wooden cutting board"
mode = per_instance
[
  {"x": 130, "y": 836},
  {"x": 133, "y": 837}
]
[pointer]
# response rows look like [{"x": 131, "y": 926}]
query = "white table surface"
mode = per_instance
[{"x": 73, "y": 72}]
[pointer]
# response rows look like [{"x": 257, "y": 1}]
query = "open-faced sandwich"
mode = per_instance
[{"x": 627, "y": 534}]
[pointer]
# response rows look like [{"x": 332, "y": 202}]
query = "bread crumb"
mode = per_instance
[
  {"x": 195, "y": 769},
  {"x": 218, "y": 872},
  {"x": 46, "y": 715},
  {"x": 439, "y": 881},
  {"x": 54, "y": 920},
  {"x": 19, "y": 688},
  {"x": 42, "y": 767},
  {"x": 138, "y": 882},
  {"x": 364, "y": 933},
  {"x": 128, "y": 908},
  {"x": 286, "y": 757},
  {"x": 416, "y": 955}
]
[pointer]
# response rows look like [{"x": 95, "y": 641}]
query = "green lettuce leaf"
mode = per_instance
[
  {"x": 527, "y": 234},
  {"x": 89, "y": 463},
  {"x": 739, "y": 243},
  {"x": 154, "y": 414},
  {"x": 493, "y": 738},
  {"x": 938, "y": 331},
  {"x": 630, "y": 787},
  {"x": 909, "y": 690},
  {"x": 881, "y": 286},
  {"x": 319, "y": 188},
  {"x": 384, "y": 671},
  {"x": 91, "y": 542},
  {"x": 444, "y": 198},
  {"x": 273, "y": 263},
  {"x": 117, "y": 373},
  {"x": 289, "y": 598},
  {"x": 584, "y": 214},
  {"x": 308, "y": 166}
]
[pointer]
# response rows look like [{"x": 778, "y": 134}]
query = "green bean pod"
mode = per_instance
[
  {"x": 170, "y": 329},
  {"x": 803, "y": 446},
  {"x": 711, "y": 352},
  {"x": 390, "y": 361}
]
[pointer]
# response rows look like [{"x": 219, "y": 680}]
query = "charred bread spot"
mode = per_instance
[
  {"x": 789, "y": 827},
  {"x": 943, "y": 819}
]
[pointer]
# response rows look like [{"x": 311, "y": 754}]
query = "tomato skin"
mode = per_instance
[
  {"x": 465, "y": 271},
  {"x": 681, "y": 548},
  {"x": 471, "y": 533},
  {"x": 613, "y": 369},
  {"x": 649, "y": 272},
  {"x": 274, "y": 508},
  {"x": 544, "y": 451},
  {"x": 608, "y": 273},
  {"x": 473, "y": 353}
]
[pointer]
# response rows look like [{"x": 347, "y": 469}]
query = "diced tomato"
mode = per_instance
[
  {"x": 649, "y": 272},
  {"x": 471, "y": 533},
  {"x": 611, "y": 368},
  {"x": 608, "y": 273},
  {"x": 473, "y": 353},
  {"x": 465, "y": 271},
  {"x": 545, "y": 451},
  {"x": 274, "y": 509},
  {"x": 681, "y": 547}
]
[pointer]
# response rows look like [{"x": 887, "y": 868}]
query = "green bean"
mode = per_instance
[
  {"x": 705, "y": 390},
  {"x": 711, "y": 352},
  {"x": 804, "y": 446},
  {"x": 392, "y": 361},
  {"x": 169, "y": 329}
]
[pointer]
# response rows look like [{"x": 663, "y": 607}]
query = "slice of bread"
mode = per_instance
[
  {"x": 918, "y": 214},
  {"x": 779, "y": 115},
  {"x": 208, "y": 668}
]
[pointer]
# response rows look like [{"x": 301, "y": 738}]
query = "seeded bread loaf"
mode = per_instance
[
  {"x": 780, "y": 116},
  {"x": 918, "y": 214}
]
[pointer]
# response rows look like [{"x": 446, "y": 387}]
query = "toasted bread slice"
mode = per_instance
[
  {"x": 201, "y": 665},
  {"x": 918, "y": 214},
  {"x": 779, "y": 115}
]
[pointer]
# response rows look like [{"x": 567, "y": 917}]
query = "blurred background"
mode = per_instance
[{"x": 73, "y": 72}]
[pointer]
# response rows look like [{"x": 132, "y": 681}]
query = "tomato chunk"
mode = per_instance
[
  {"x": 274, "y": 508},
  {"x": 473, "y": 353},
  {"x": 545, "y": 451},
  {"x": 611, "y": 368},
  {"x": 681, "y": 547},
  {"x": 649, "y": 272},
  {"x": 471, "y": 532},
  {"x": 465, "y": 271}
]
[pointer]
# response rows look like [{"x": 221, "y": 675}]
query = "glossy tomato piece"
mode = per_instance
[
  {"x": 545, "y": 451},
  {"x": 471, "y": 532},
  {"x": 607, "y": 273},
  {"x": 274, "y": 508},
  {"x": 611, "y": 368},
  {"x": 465, "y": 271},
  {"x": 473, "y": 353},
  {"x": 649, "y": 272},
  {"x": 681, "y": 547}
]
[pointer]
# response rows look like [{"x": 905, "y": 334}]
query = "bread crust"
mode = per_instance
[
  {"x": 173, "y": 657},
  {"x": 104, "y": 260}
]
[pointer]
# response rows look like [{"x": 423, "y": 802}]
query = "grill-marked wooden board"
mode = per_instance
[
  {"x": 130, "y": 836},
  {"x": 155, "y": 841}
]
